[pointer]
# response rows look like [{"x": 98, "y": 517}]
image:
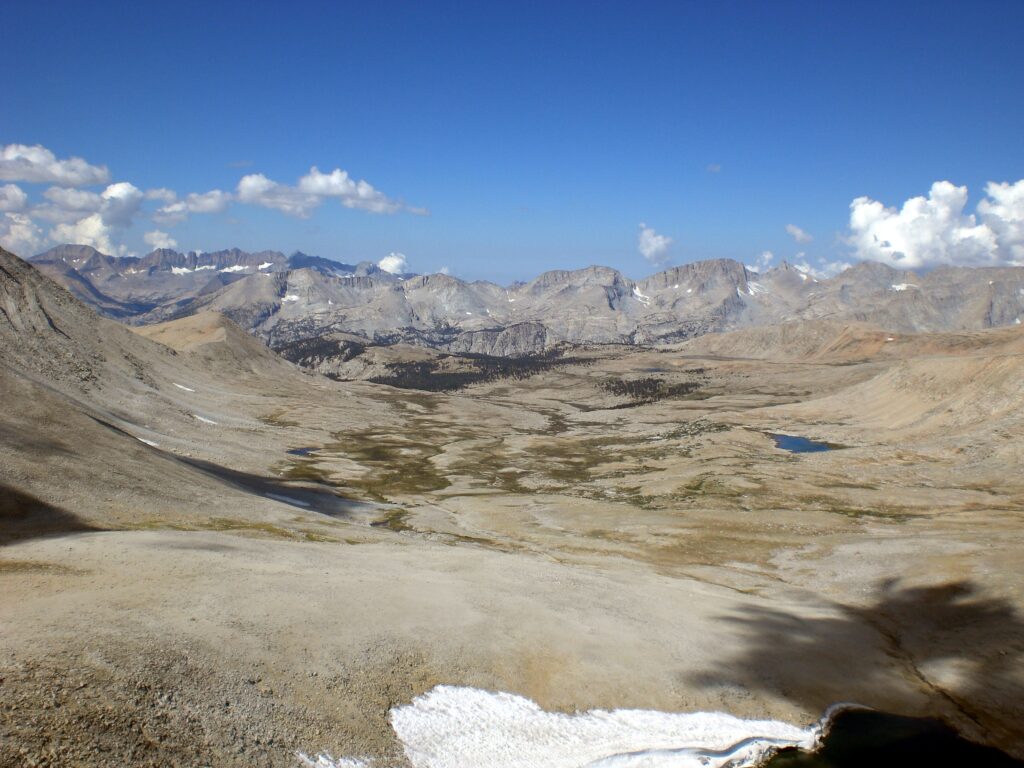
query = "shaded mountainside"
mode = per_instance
[
  {"x": 93, "y": 406},
  {"x": 289, "y": 299}
]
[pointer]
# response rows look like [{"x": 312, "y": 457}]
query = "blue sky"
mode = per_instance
[{"x": 537, "y": 135}]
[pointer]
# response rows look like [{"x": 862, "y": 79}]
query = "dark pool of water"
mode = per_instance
[
  {"x": 795, "y": 444},
  {"x": 868, "y": 739},
  {"x": 302, "y": 451}
]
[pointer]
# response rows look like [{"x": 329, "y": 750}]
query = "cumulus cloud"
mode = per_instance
[
  {"x": 798, "y": 234},
  {"x": 19, "y": 234},
  {"x": 100, "y": 219},
  {"x": 86, "y": 231},
  {"x": 828, "y": 268},
  {"x": 652, "y": 246},
  {"x": 38, "y": 165},
  {"x": 395, "y": 263},
  {"x": 176, "y": 211},
  {"x": 121, "y": 201},
  {"x": 1003, "y": 212},
  {"x": 315, "y": 187},
  {"x": 66, "y": 205},
  {"x": 158, "y": 239},
  {"x": 75, "y": 200},
  {"x": 444, "y": 271},
  {"x": 824, "y": 269},
  {"x": 352, "y": 193},
  {"x": 762, "y": 262},
  {"x": 163, "y": 194},
  {"x": 12, "y": 198},
  {"x": 257, "y": 189},
  {"x": 933, "y": 230},
  {"x": 109, "y": 214}
]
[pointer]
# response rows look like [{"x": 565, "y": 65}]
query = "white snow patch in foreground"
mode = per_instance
[
  {"x": 150, "y": 443},
  {"x": 1017, "y": 321},
  {"x": 890, "y": 338},
  {"x": 287, "y": 499},
  {"x": 265, "y": 264},
  {"x": 181, "y": 271},
  {"x": 641, "y": 297},
  {"x": 204, "y": 419},
  {"x": 290, "y": 297},
  {"x": 326, "y": 761},
  {"x": 205, "y": 266},
  {"x": 182, "y": 386},
  {"x": 454, "y": 727},
  {"x": 902, "y": 286}
]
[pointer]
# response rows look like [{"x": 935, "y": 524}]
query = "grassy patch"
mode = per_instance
[
  {"x": 396, "y": 464},
  {"x": 448, "y": 373},
  {"x": 276, "y": 419},
  {"x": 394, "y": 520},
  {"x": 649, "y": 389},
  {"x": 234, "y": 525},
  {"x": 307, "y": 470},
  {"x": 31, "y": 566}
]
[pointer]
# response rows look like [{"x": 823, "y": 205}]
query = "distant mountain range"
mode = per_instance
[{"x": 288, "y": 299}]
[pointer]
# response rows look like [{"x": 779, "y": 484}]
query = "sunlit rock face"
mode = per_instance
[{"x": 288, "y": 299}]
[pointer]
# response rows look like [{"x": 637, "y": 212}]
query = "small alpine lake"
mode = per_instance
[{"x": 796, "y": 444}]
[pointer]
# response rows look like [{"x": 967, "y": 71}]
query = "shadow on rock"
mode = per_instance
[
  {"x": 23, "y": 516},
  {"x": 943, "y": 650}
]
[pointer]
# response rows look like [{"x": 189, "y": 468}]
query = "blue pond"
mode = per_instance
[{"x": 795, "y": 444}]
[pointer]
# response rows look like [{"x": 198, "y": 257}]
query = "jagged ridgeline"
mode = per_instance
[{"x": 312, "y": 308}]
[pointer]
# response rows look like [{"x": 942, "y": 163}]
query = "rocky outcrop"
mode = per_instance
[
  {"x": 285, "y": 299},
  {"x": 517, "y": 340}
]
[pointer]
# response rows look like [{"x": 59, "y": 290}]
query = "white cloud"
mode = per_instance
[
  {"x": 798, "y": 234},
  {"x": 828, "y": 268},
  {"x": 163, "y": 194},
  {"x": 76, "y": 200},
  {"x": 158, "y": 239},
  {"x": 67, "y": 205},
  {"x": 652, "y": 246},
  {"x": 257, "y": 189},
  {"x": 762, "y": 262},
  {"x": 121, "y": 201},
  {"x": 823, "y": 271},
  {"x": 1003, "y": 212},
  {"x": 12, "y": 198},
  {"x": 38, "y": 165},
  {"x": 176, "y": 211},
  {"x": 19, "y": 234},
  {"x": 352, "y": 194},
  {"x": 87, "y": 231},
  {"x": 214, "y": 201},
  {"x": 315, "y": 187},
  {"x": 444, "y": 271},
  {"x": 933, "y": 230},
  {"x": 109, "y": 214},
  {"x": 395, "y": 263}
]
